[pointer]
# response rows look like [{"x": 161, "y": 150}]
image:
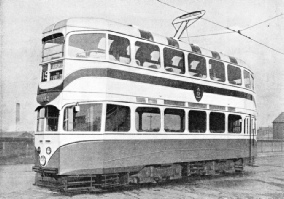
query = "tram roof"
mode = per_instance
[{"x": 103, "y": 24}]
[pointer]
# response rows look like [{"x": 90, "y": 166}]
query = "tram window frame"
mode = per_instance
[
  {"x": 234, "y": 123},
  {"x": 40, "y": 119},
  {"x": 247, "y": 79},
  {"x": 216, "y": 120},
  {"x": 151, "y": 112},
  {"x": 121, "y": 121},
  {"x": 100, "y": 47},
  {"x": 79, "y": 121},
  {"x": 246, "y": 125},
  {"x": 145, "y": 53},
  {"x": 234, "y": 75},
  {"x": 47, "y": 119},
  {"x": 119, "y": 49},
  {"x": 58, "y": 41},
  {"x": 197, "y": 121},
  {"x": 171, "y": 116},
  {"x": 252, "y": 82},
  {"x": 44, "y": 72},
  {"x": 197, "y": 69},
  {"x": 174, "y": 60},
  {"x": 217, "y": 70}
]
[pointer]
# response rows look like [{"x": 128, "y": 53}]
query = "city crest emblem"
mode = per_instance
[{"x": 198, "y": 92}]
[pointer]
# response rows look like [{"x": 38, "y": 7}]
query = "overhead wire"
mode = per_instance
[
  {"x": 232, "y": 30},
  {"x": 262, "y": 22},
  {"x": 218, "y": 33}
]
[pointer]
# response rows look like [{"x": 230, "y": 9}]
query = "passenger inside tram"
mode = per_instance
[
  {"x": 119, "y": 49},
  {"x": 174, "y": 61},
  {"x": 147, "y": 55},
  {"x": 200, "y": 70},
  {"x": 217, "y": 70},
  {"x": 197, "y": 66}
]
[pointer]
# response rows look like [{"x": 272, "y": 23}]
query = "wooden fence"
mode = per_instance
[
  {"x": 16, "y": 150},
  {"x": 264, "y": 146}
]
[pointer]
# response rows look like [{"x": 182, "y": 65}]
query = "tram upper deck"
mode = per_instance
[
  {"x": 85, "y": 47},
  {"x": 86, "y": 24}
]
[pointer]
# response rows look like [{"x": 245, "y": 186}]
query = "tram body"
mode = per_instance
[{"x": 115, "y": 99}]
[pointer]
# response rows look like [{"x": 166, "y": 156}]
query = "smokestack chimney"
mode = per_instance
[{"x": 17, "y": 115}]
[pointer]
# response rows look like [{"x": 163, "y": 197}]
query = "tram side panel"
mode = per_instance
[{"x": 124, "y": 155}]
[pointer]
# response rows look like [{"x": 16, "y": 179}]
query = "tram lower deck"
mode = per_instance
[{"x": 114, "y": 156}]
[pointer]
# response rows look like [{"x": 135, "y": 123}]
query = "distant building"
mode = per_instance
[
  {"x": 265, "y": 133},
  {"x": 278, "y": 127}
]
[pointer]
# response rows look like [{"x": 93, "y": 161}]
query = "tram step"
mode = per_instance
[{"x": 79, "y": 182}]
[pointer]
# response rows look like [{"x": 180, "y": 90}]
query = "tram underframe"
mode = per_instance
[{"x": 149, "y": 174}]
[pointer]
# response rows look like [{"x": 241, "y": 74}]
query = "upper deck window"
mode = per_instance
[
  {"x": 147, "y": 55},
  {"x": 47, "y": 118},
  {"x": 88, "y": 118},
  {"x": 174, "y": 61},
  {"x": 247, "y": 79},
  {"x": 217, "y": 70},
  {"x": 52, "y": 47},
  {"x": 197, "y": 66},
  {"x": 252, "y": 82},
  {"x": 234, "y": 75},
  {"x": 119, "y": 49},
  {"x": 89, "y": 45}
]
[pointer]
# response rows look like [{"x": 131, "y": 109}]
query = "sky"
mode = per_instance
[{"x": 22, "y": 23}]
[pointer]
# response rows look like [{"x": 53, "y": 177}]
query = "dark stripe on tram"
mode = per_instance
[{"x": 123, "y": 75}]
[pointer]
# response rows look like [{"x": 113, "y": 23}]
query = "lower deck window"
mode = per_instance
[
  {"x": 47, "y": 119},
  {"x": 217, "y": 122},
  {"x": 234, "y": 123},
  {"x": 197, "y": 121},
  {"x": 117, "y": 118},
  {"x": 147, "y": 119},
  {"x": 174, "y": 120},
  {"x": 86, "y": 118}
]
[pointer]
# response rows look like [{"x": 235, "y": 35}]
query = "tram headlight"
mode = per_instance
[
  {"x": 42, "y": 160},
  {"x": 48, "y": 150}
]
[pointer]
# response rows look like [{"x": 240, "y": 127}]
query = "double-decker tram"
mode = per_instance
[{"x": 120, "y": 105}]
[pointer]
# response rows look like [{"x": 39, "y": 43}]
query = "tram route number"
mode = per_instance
[{"x": 43, "y": 98}]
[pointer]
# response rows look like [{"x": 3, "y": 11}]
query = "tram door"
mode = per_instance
[{"x": 250, "y": 130}]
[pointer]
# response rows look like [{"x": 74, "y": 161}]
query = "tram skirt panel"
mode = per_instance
[{"x": 114, "y": 156}]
